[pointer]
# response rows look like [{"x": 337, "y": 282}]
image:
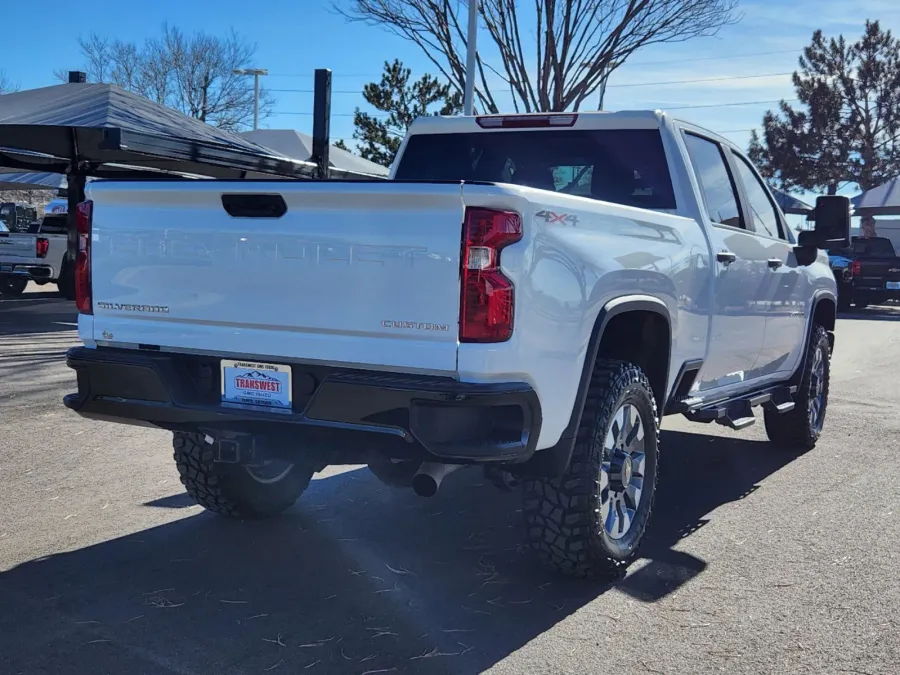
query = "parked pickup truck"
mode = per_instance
[
  {"x": 36, "y": 255},
  {"x": 874, "y": 271},
  {"x": 530, "y": 294}
]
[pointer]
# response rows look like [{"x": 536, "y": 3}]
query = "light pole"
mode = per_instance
[
  {"x": 471, "y": 48},
  {"x": 256, "y": 72}
]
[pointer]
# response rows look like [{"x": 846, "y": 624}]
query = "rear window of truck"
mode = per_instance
[
  {"x": 623, "y": 166},
  {"x": 869, "y": 247}
]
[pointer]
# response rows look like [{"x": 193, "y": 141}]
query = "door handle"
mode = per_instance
[
  {"x": 775, "y": 263},
  {"x": 726, "y": 257}
]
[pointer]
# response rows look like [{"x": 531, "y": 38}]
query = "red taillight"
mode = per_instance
[
  {"x": 526, "y": 121},
  {"x": 855, "y": 267},
  {"x": 41, "y": 247},
  {"x": 488, "y": 297},
  {"x": 83, "y": 215}
]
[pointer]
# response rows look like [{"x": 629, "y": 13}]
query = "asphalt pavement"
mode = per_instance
[{"x": 758, "y": 561}]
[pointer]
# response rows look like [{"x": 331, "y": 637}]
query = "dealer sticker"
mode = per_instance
[{"x": 265, "y": 385}]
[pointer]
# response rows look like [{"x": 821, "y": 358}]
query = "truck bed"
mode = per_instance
[{"x": 347, "y": 262}]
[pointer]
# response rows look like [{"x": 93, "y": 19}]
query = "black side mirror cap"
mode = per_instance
[{"x": 832, "y": 224}]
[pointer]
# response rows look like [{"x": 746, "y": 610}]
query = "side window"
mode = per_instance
[
  {"x": 762, "y": 211},
  {"x": 715, "y": 181}
]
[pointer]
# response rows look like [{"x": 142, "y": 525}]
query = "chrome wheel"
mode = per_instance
[
  {"x": 269, "y": 471},
  {"x": 817, "y": 391},
  {"x": 622, "y": 471}
]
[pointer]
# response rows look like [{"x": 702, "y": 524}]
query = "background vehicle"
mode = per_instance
[
  {"x": 874, "y": 270},
  {"x": 612, "y": 268},
  {"x": 17, "y": 217},
  {"x": 37, "y": 255},
  {"x": 840, "y": 262}
]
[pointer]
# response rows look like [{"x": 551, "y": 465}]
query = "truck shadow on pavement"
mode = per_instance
[
  {"x": 356, "y": 578},
  {"x": 873, "y": 313}
]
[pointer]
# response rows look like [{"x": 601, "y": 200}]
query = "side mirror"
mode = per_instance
[{"x": 832, "y": 224}]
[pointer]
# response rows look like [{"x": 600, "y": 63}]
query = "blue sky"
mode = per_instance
[{"x": 747, "y": 62}]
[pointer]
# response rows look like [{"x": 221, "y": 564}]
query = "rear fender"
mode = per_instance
[{"x": 553, "y": 461}]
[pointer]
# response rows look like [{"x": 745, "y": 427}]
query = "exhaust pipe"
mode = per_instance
[{"x": 429, "y": 476}]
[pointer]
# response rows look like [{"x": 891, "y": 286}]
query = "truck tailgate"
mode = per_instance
[
  {"x": 879, "y": 270},
  {"x": 16, "y": 246},
  {"x": 352, "y": 273}
]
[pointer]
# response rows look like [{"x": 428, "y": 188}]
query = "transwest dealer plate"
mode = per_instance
[
  {"x": 893, "y": 285},
  {"x": 261, "y": 385}
]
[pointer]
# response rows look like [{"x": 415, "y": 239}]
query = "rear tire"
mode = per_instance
[
  {"x": 66, "y": 283},
  {"x": 845, "y": 297},
  {"x": 800, "y": 428},
  {"x": 236, "y": 490},
  {"x": 13, "y": 285},
  {"x": 590, "y": 522}
]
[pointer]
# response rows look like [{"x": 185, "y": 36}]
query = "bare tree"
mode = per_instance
[
  {"x": 191, "y": 73},
  {"x": 6, "y": 85},
  {"x": 578, "y": 42}
]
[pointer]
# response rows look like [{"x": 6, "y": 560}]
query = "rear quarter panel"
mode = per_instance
[{"x": 569, "y": 265}]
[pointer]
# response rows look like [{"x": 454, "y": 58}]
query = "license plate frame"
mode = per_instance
[
  {"x": 892, "y": 285},
  {"x": 256, "y": 385}
]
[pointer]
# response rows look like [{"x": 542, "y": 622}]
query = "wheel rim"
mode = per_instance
[
  {"x": 817, "y": 391},
  {"x": 269, "y": 471},
  {"x": 622, "y": 471}
]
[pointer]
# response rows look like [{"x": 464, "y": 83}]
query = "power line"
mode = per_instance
[
  {"x": 729, "y": 105},
  {"x": 727, "y": 57},
  {"x": 611, "y": 86}
]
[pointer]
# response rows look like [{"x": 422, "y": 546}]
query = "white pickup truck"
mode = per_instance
[
  {"x": 37, "y": 255},
  {"x": 531, "y": 294}
]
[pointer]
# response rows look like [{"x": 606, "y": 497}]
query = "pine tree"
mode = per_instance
[
  {"x": 847, "y": 128},
  {"x": 379, "y": 139}
]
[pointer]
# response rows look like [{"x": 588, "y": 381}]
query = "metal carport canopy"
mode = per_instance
[
  {"x": 105, "y": 131},
  {"x": 883, "y": 200}
]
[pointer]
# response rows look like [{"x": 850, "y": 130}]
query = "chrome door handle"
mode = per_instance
[
  {"x": 726, "y": 257},
  {"x": 775, "y": 263}
]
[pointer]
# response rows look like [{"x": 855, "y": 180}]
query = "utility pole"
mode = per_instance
[
  {"x": 604, "y": 77},
  {"x": 256, "y": 72},
  {"x": 603, "y": 87},
  {"x": 471, "y": 48}
]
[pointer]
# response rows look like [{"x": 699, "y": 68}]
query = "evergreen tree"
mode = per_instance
[
  {"x": 847, "y": 127},
  {"x": 403, "y": 101}
]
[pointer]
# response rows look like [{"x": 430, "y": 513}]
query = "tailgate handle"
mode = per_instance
[{"x": 254, "y": 206}]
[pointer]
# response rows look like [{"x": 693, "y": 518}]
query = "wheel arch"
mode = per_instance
[{"x": 619, "y": 330}]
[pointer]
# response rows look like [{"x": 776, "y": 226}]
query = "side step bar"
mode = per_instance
[{"x": 737, "y": 413}]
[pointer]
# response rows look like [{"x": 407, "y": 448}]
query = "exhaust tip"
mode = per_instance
[{"x": 425, "y": 485}]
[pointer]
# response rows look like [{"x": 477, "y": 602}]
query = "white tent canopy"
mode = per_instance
[
  {"x": 298, "y": 145},
  {"x": 883, "y": 200}
]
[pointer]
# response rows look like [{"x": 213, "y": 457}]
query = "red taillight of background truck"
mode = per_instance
[
  {"x": 487, "y": 301},
  {"x": 41, "y": 246},
  {"x": 83, "y": 216}
]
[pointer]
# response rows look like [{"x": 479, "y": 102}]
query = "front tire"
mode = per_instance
[
  {"x": 800, "y": 428},
  {"x": 590, "y": 522},
  {"x": 13, "y": 285},
  {"x": 236, "y": 490}
]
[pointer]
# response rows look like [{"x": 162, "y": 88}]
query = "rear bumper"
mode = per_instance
[
  {"x": 876, "y": 289},
  {"x": 340, "y": 413},
  {"x": 36, "y": 271}
]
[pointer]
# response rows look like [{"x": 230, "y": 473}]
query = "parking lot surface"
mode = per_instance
[{"x": 758, "y": 561}]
